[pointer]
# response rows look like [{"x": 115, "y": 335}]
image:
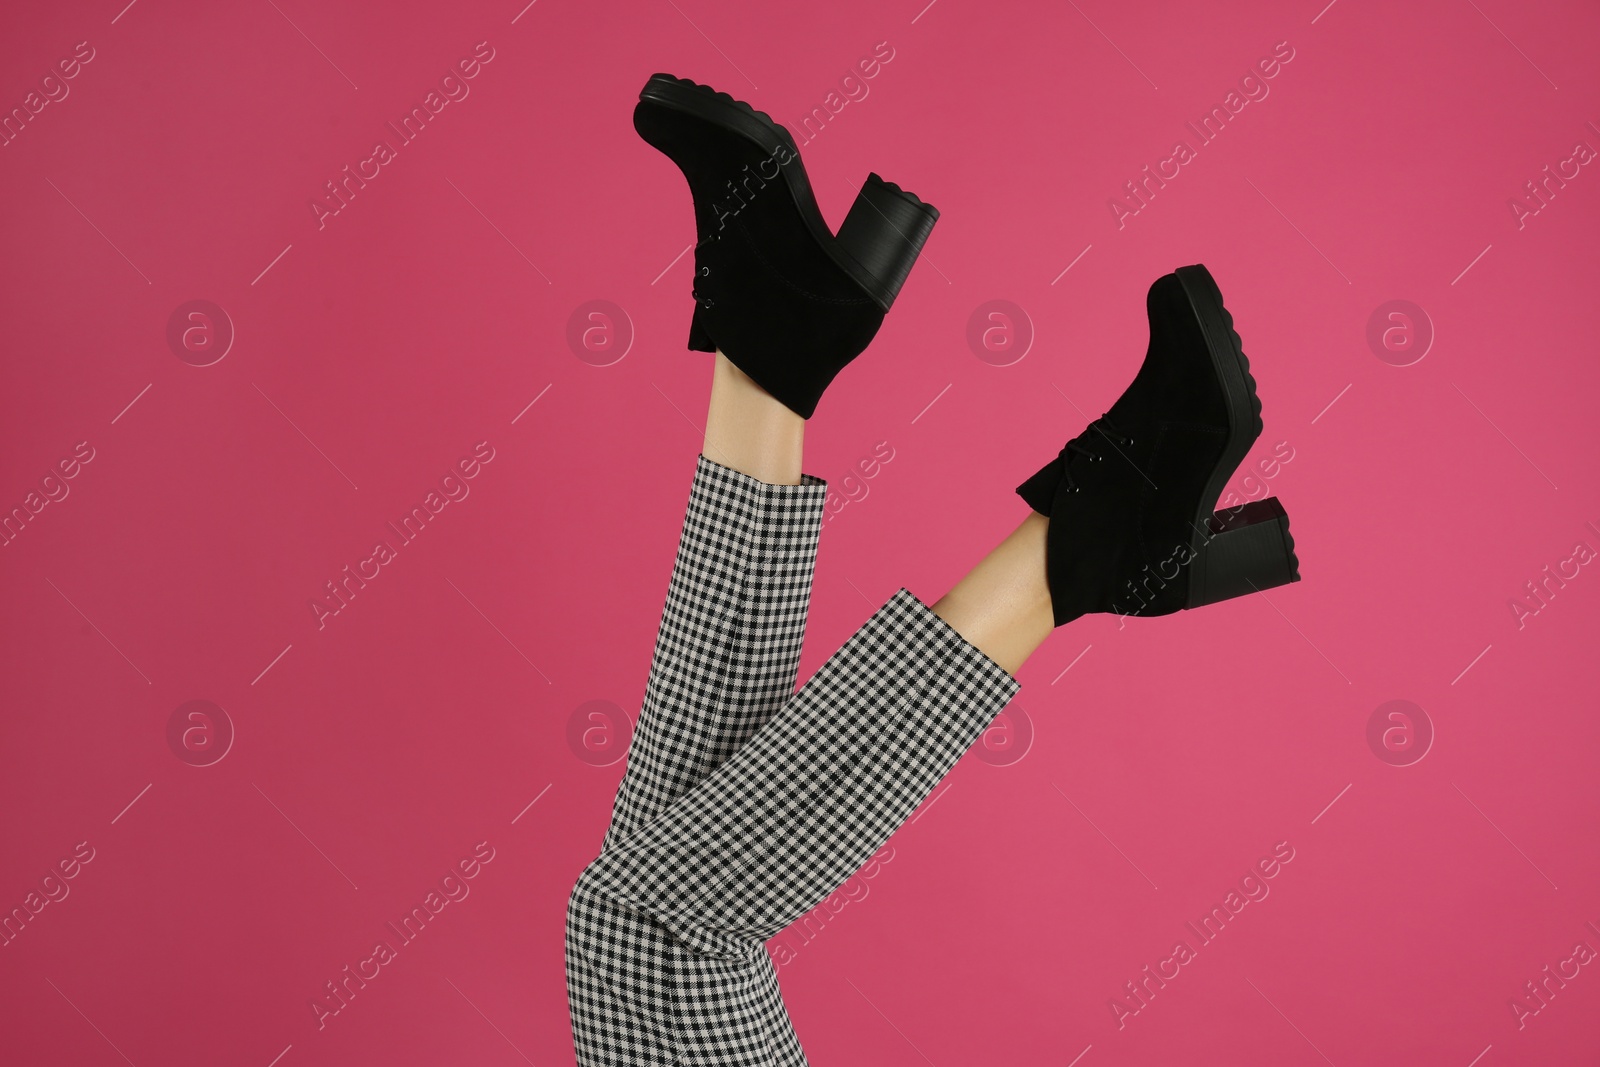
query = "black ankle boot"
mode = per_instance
[
  {"x": 786, "y": 301},
  {"x": 1131, "y": 499}
]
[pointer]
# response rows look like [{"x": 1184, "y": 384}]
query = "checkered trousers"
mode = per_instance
[{"x": 746, "y": 803}]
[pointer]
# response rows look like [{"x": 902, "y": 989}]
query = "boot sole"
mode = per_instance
[
  {"x": 1247, "y": 548},
  {"x": 886, "y": 227}
]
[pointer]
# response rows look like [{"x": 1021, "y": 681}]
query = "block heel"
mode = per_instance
[
  {"x": 1244, "y": 550},
  {"x": 884, "y": 233}
]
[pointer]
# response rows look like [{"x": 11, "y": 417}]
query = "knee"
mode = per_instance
[
  {"x": 606, "y": 906},
  {"x": 583, "y": 901}
]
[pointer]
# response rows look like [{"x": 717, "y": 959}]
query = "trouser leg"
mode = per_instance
[
  {"x": 728, "y": 648},
  {"x": 725, "y": 659},
  {"x": 666, "y": 928}
]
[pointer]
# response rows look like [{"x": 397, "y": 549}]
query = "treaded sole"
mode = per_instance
[
  {"x": 669, "y": 90},
  {"x": 654, "y": 91},
  {"x": 757, "y": 127},
  {"x": 1244, "y": 365},
  {"x": 1288, "y": 546},
  {"x": 1226, "y": 349}
]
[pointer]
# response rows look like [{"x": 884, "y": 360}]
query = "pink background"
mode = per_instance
[{"x": 371, "y": 755}]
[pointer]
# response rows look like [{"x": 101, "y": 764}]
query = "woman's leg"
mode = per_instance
[
  {"x": 666, "y": 929},
  {"x": 794, "y": 305},
  {"x": 1003, "y": 604},
  {"x": 748, "y": 430},
  {"x": 728, "y": 647}
]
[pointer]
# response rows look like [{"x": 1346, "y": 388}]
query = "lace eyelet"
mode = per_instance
[{"x": 705, "y": 272}]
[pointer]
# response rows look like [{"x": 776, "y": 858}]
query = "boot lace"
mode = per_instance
[{"x": 1085, "y": 445}]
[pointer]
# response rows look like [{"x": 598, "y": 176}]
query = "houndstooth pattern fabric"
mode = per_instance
[{"x": 666, "y": 961}]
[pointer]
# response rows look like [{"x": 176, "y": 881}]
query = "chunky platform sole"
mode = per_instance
[
  {"x": 886, "y": 227},
  {"x": 1245, "y": 549}
]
